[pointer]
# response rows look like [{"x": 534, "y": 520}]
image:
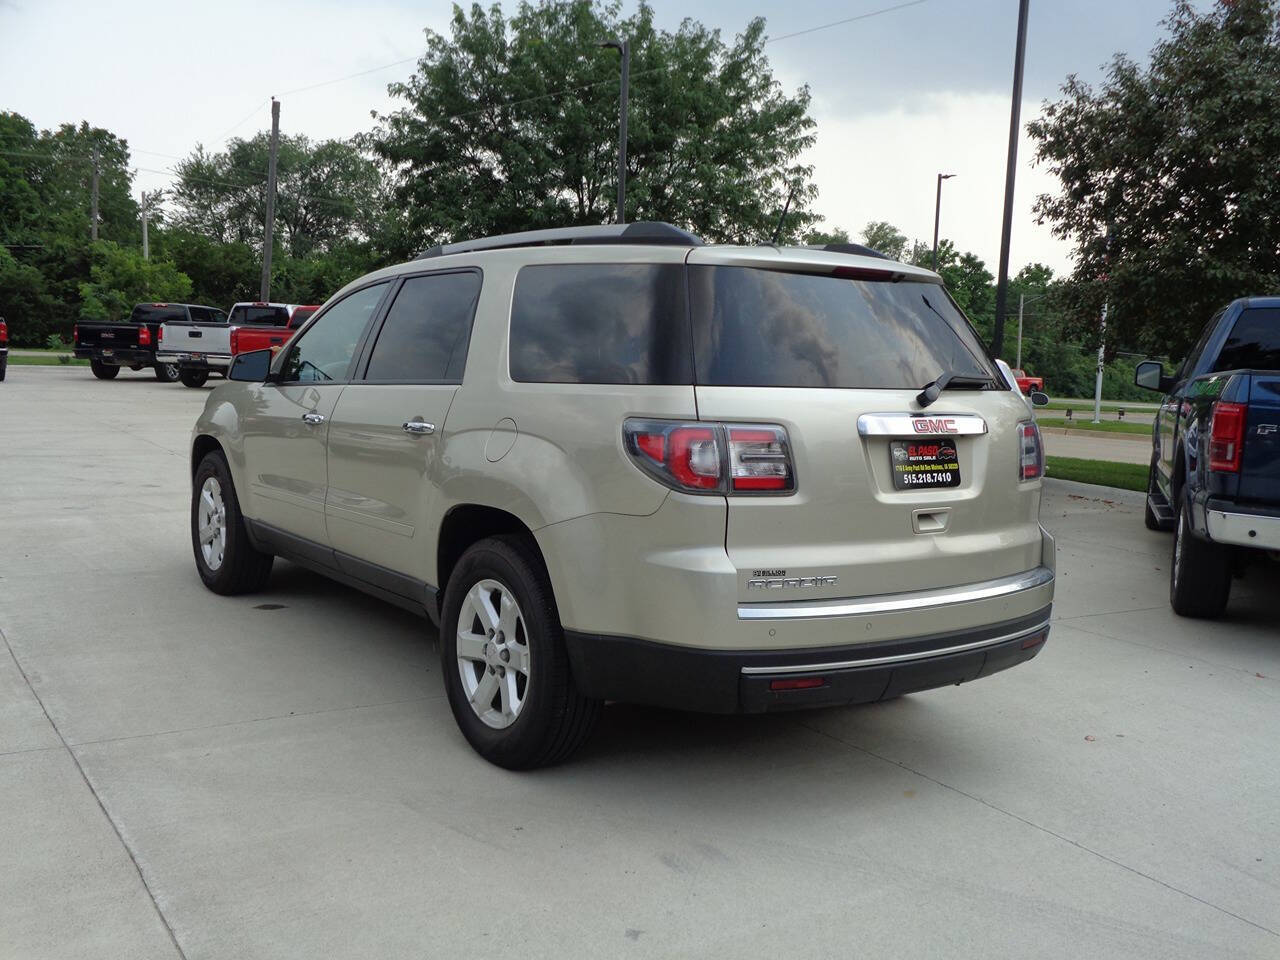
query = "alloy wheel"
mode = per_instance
[
  {"x": 493, "y": 653},
  {"x": 212, "y": 519}
]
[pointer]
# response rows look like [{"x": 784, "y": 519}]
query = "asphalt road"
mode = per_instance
[{"x": 278, "y": 776}]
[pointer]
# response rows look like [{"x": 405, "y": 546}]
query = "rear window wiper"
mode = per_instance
[{"x": 932, "y": 391}]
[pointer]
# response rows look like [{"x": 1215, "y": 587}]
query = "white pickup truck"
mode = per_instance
[{"x": 199, "y": 348}]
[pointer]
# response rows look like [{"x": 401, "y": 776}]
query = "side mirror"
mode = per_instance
[
  {"x": 1149, "y": 375},
  {"x": 251, "y": 367},
  {"x": 1039, "y": 399}
]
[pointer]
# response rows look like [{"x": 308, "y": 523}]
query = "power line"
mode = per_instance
[
  {"x": 841, "y": 23},
  {"x": 240, "y": 122},
  {"x": 350, "y": 76}
]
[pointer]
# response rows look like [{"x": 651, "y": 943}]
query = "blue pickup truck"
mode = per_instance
[{"x": 1215, "y": 459}]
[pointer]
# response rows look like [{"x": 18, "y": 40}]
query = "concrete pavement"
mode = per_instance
[{"x": 276, "y": 776}]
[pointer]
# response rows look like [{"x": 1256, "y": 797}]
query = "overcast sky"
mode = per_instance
[{"x": 898, "y": 97}]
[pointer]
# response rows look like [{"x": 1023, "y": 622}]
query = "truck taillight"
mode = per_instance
[
  {"x": 4, "y": 332},
  {"x": 75, "y": 333},
  {"x": 144, "y": 336},
  {"x": 235, "y": 341},
  {"x": 1030, "y": 451},
  {"x": 159, "y": 335},
  {"x": 720, "y": 458},
  {"x": 1226, "y": 436}
]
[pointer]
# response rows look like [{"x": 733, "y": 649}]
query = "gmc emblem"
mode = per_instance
[{"x": 929, "y": 425}]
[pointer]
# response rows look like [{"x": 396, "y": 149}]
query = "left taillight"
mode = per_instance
[
  {"x": 144, "y": 336},
  {"x": 4, "y": 332},
  {"x": 1226, "y": 436},
  {"x": 716, "y": 458},
  {"x": 1030, "y": 452},
  {"x": 75, "y": 333}
]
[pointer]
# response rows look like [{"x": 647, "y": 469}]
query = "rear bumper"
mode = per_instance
[
  {"x": 746, "y": 681},
  {"x": 198, "y": 361},
  {"x": 1230, "y": 524},
  {"x": 118, "y": 356}
]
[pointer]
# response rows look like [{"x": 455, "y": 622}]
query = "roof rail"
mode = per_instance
[
  {"x": 855, "y": 248},
  {"x": 642, "y": 232}
]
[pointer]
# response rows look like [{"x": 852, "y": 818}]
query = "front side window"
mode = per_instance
[
  {"x": 427, "y": 330},
  {"x": 1254, "y": 343},
  {"x": 769, "y": 328},
  {"x": 600, "y": 323},
  {"x": 325, "y": 351}
]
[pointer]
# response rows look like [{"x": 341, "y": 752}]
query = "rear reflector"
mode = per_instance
[
  {"x": 1035, "y": 641},
  {"x": 1226, "y": 436},
  {"x": 797, "y": 683}
]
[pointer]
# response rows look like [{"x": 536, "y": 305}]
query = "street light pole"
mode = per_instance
[
  {"x": 624, "y": 48},
  {"x": 937, "y": 216},
  {"x": 1010, "y": 176}
]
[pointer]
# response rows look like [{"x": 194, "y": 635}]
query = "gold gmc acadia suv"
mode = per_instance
[{"x": 614, "y": 463}]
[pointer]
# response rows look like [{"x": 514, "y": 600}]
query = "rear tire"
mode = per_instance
[
  {"x": 1200, "y": 574},
  {"x": 193, "y": 378},
  {"x": 104, "y": 371},
  {"x": 4, "y": 362},
  {"x": 167, "y": 372},
  {"x": 515, "y": 727},
  {"x": 227, "y": 562},
  {"x": 1149, "y": 517}
]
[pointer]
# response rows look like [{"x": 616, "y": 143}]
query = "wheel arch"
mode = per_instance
[
  {"x": 201, "y": 447},
  {"x": 469, "y": 523}
]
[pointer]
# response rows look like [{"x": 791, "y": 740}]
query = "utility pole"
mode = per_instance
[
  {"x": 1022, "y": 299},
  {"x": 1097, "y": 383},
  {"x": 269, "y": 228},
  {"x": 1010, "y": 176},
  {"x": 937, "y": 216},
  {"x": 146, "y": 248},
  {"x": 93, "y": 210},
  {"x": 623, "y": 47}
]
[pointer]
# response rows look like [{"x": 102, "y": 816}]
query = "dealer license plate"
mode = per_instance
[{"x": 924, "y": 462}]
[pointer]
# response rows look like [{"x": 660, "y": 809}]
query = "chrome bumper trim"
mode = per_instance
[
  {"x": 1243, "y": 529},
  {"x": 899, "y": 658},
  {"x": 897, "y": 602}
]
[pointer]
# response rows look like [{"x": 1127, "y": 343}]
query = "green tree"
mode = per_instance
[
  {"x": 820, "y": 237},
  {"x": 1179, "y": 162},
  {"x": 512, "y": 124},
  {"x": 885, "y": 237},
  {"x": 120, "y": 278}
]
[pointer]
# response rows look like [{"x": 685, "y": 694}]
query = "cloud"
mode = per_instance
[{"x": 883, "y": 166}]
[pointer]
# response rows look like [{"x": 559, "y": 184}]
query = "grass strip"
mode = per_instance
[{"x": 1127, "y": 476}]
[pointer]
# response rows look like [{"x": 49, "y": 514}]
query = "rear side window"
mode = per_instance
[
  {"x": 157, "y": 313},
  {"x": 427, "y": 330},
  {"x": 1254, "y": 343},
  {"x": 768, "y": 328},
  {"x": 259, "y": 316},
  {"x": 600, "y": 323},
  {"x": 300, "y": 315}
]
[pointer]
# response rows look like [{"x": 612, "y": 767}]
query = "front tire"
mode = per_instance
[
  {"x": 167, "y": 372},
  {"x": 192, "y": 377},
  {"x": 1200, "y": 574},
  {"x": 227, "y": 562},
  {"x": 506, "y": 670},
  {"x": 104, "y": 371}
]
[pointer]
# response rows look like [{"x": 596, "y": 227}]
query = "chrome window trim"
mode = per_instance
[
  {"x": 903, "y": 424},
  {"x": 896, "y": 658},
  {"x": 897, "y": 602}
]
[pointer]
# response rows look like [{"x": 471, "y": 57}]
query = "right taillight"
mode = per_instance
[
  {"x": 717, "y": 458},
  {"x": 75, "y": 333},
  {"x": 1030, "y": 451},
  {"x": 1226, "y": 436},
  {"x": 235, "y": 341},
  {"x": 4, "y": 332}
]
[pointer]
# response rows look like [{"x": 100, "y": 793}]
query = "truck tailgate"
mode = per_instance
[
  {"x": 1260, "y": 465},
  {"x": 205, "y": 339}
]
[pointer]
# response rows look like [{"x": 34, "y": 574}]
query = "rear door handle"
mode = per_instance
[
  {"x": 277, "y": 339},
  {"x": 313, "y": 417},
  {"x": 419, "y": 427}
]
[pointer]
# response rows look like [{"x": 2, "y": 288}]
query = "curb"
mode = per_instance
[{"x": 1097, "y": 491}]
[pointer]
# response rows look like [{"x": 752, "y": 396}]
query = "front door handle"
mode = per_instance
[
  {"x": 419, "y": 427},
  {"x": 313, "y": 417}
]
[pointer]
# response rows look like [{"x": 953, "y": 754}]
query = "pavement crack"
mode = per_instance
[
  {"x": 155, "y": 905},
  {"x": 1040, "y": 827}
]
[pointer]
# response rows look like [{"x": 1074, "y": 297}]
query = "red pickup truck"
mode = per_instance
[
  {"x": 269, "y": 326},
  {"x": 1028, "y": 383}
]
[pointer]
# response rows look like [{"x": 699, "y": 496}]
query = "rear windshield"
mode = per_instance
[
  {"x": 768, "y": 328},
  {"x": 1254, "y": 343},
  {"x": 153, "y": 313},
  {"x": 300, "y": 315},
  {"x": 600, "y": 323},
  {"x": 260, "y": 316}
]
